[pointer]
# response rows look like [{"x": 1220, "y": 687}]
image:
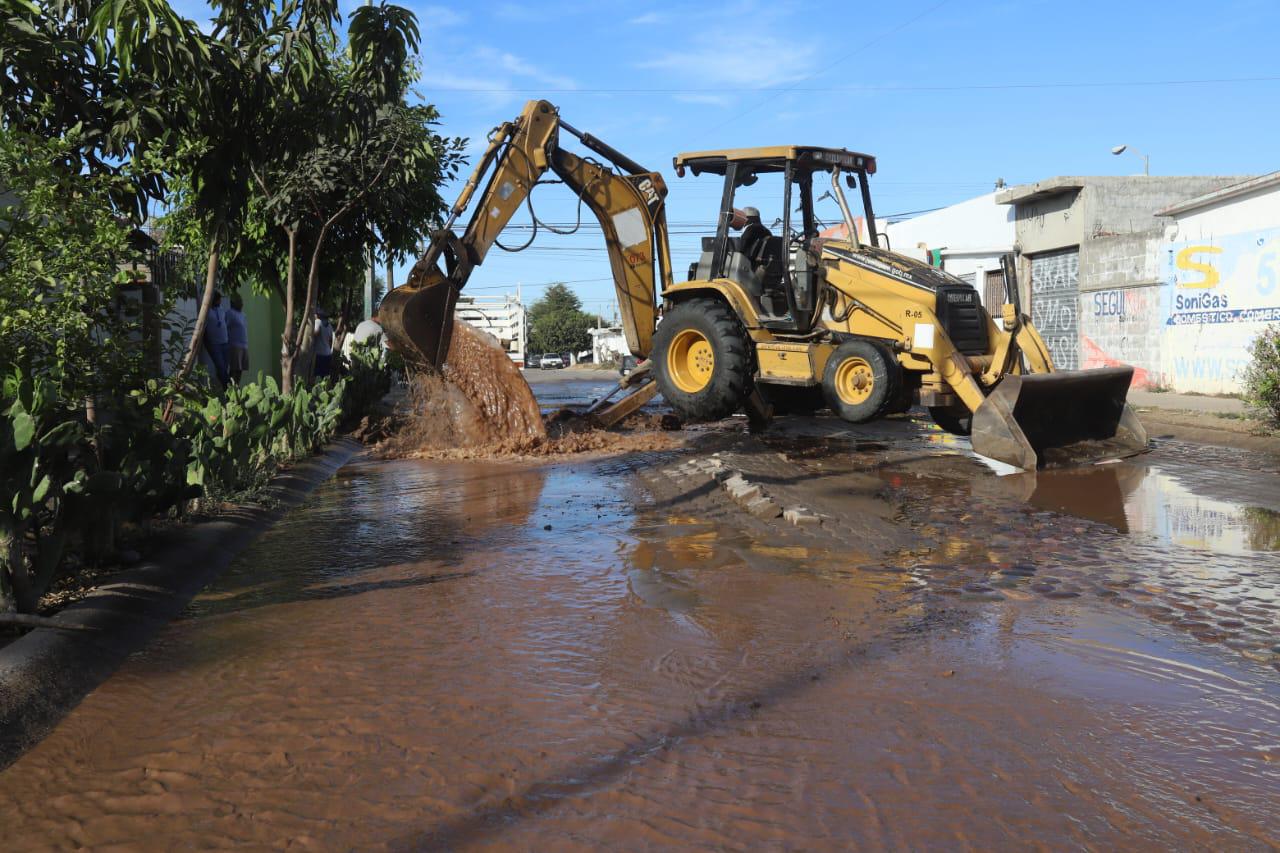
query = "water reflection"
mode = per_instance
[
  {"x": 439, "y": 511},
  {"x": 1147, "y": 498}
]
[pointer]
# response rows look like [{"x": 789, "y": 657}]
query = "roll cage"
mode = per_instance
[{"x": 797, "y": 274}]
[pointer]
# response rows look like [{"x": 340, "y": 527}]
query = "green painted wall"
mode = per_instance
[{"x": 265, "y": 318}]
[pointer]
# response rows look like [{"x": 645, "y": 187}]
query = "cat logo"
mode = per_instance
[{"x": 650, "y": 191}]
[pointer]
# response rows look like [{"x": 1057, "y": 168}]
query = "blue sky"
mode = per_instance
[{"x": 948, "y": 95}]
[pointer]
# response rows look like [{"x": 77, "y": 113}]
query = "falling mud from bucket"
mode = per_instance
[{"x": 481, "y": 407}]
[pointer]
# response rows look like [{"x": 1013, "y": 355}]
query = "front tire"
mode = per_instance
[
  {"x": 703, "y": 360},
  {"x": 861, "y": 380}
]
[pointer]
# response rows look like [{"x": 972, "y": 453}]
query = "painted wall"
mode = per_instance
[
  {"x": 1122, "y": 326},
  {"x": 1219, "y": 292},
  {"x": 1183, "y": 304},
  {"x": 264, "y": 317}
]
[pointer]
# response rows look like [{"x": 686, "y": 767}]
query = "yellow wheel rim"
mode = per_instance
[
  {"x": 854, "y": 380},
  {"x": 690, "y": 361}
]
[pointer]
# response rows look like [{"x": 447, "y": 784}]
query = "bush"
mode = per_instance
[
  {"x": 68, "y": 485},
  {"x": 63, "y": 254},
  {"x": 1262, "y": 377},
  {"x": 239, "y": 440},
  {"x": 368, "y": 379}
]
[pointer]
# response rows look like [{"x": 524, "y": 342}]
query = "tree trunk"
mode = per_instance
[
  {"x": 202, "y": 316},
  {"x": 286, "y": 338},
  {"x": 299, "y": 344},
  {"x": 11, "y": 562}
]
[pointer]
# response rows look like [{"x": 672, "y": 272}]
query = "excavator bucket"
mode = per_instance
[
  {"x": 418, "y": 320},
  {"x": 1068, "y": 417}
]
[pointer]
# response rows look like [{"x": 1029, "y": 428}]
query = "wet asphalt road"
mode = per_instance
[{"x": 611, "y": 652}]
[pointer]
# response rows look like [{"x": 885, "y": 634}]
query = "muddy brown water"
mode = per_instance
[
  {"x": 448, "y": 655},
  {"x": 488, "y": 378}
]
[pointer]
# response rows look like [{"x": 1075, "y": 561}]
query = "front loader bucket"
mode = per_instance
[
  {"x": 418, "y": 321},
  {"x": 1068, "y": 417}
]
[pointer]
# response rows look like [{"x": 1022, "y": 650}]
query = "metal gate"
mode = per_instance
[
  {"x": 1055, "y": 304},
  {"x": 993, "y": 291}
]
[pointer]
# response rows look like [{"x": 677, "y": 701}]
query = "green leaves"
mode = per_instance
[
  {"x": 557, "y": 322},
  {"x": 1261, "y": 377},
  {"x": 24, "y": 429}
]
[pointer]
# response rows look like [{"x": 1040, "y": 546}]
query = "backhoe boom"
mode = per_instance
[{"x": 629, "y": 205}]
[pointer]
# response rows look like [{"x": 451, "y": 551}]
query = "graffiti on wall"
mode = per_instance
[
  {"x": 1119, "y": 327},
  {"x": 1216, "y": 295},
  {"x": 1055, "y": 304}
]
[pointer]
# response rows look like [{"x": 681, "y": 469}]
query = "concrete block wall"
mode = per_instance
[
  {"x": 1126, "y": 205},
  {"x": 1123, "y": 326},
  {"x": 1127, "y": 260}
]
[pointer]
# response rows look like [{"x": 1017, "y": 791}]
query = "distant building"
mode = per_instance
[
  {"x": 608, "y": 343},
  {"x": 1088, "y": 267},
  {"x": 503, "y": 317},
  {"x": 967, "y": 240}
]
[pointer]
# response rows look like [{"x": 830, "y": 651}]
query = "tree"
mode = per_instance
[
  {"x": 349, "y": 165},
  {"x": 62, "y": 257},
  {"x": 557, "y": 322},
  {"x": 57, "y": 80}
]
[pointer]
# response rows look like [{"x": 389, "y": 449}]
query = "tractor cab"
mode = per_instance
[{"x": 767, "y": 225}]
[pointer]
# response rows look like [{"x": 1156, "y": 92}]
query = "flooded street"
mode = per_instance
[{"x": 612, "y": 651}]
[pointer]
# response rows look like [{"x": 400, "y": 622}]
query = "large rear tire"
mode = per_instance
[
  {"x": 861, "y": 380},
  {"x": 703, "y": 361}
]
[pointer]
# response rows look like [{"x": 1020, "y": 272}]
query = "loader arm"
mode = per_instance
[{"x": 629, "y": 204}]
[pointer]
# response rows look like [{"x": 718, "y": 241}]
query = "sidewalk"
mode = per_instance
[{"x": 1186, "y": 402}]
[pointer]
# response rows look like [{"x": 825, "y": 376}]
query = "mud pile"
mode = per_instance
[{"x": 481, "y": 407}]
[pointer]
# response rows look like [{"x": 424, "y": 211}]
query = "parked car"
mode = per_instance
[
  {"x": 533, "y": 359},
  {"x": 629, "y": 363},
  {"x": 551, "y": 361}
]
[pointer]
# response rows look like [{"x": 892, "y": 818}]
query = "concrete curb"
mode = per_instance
[{"x": 47, "y": 672}]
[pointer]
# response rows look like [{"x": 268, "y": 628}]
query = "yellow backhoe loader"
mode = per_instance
[{"x": 812, "y": 315}]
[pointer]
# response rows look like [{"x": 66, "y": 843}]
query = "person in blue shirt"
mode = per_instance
[
  {"x": 237, "y": 339},
  {"x": 215, "y": 338}
]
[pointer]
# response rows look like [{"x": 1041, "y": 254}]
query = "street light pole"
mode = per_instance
[{"x": 1146, "y": 160}]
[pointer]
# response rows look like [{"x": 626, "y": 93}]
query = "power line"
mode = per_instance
[{"x": 964, "y": 87}]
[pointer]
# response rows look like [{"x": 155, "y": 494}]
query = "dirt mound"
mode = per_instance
[{"x": 481, "y": 407}]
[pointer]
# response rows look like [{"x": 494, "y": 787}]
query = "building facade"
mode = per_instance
[
  {"x": 608, "y": 343},
  {"x": 1219, "y": 269},
  {"x": 503, "y": 317},
  {"x": 1089, "y": 268}
]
